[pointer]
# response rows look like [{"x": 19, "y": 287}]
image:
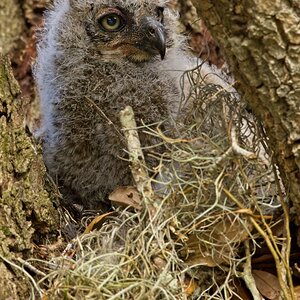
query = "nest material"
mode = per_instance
[{"x": 215, "y": 189}]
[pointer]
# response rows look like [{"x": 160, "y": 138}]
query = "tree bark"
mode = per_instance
[
  {"x": 26, "y": 212},
  {"x": 27, "y": 216},
  {"x": 261, "y": 42},
  {"x": 10, "y": 30}
]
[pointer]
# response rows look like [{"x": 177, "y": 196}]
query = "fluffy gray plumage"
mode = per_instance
[{"x": 86, "y": 73}]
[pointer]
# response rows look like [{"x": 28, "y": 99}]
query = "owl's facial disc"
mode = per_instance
[{"x": 120, "y": 34}]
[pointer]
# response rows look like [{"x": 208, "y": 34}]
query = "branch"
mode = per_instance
[{"x": 136, "y": 156}]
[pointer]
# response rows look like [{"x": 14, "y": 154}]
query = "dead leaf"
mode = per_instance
[
  {"x": 125, "y": 196},
  {"x": 207, "y": 261},
  {"x": 196, "y": 253},
  {"x": 222, "y": 237},
  {"x": 297, "y": 292},
  {"x": 267, "y": 284},
  {"x": 241, "y": 291},
  {"x": 231, "y": 231},
  {"x": 278, "y": 229},
  {"x": 190, "y": 286},
  {"x": 98, "y": 221}
]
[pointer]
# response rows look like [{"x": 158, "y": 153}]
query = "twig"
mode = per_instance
[
  {"x": 286, "y": 246},
  {"x": 136, "y": 156},
  {"x": 237, "y": 148},
  {"x": 30, "y": 267},
  {"x": 247, "y": 274}
]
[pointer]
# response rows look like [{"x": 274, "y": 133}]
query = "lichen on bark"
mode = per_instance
[
  {"x": 11, "y": 24},
  {"x": 26, "y": 212}
]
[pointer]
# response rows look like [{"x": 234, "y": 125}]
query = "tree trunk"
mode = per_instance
[
  {"x": 26, "y": 213},
  {"x": 261, "y": 42},
  {"x": 27, "y": 216}
]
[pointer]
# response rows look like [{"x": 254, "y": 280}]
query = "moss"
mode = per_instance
[
  {"x": 6, "y": 231},
  {"x": 26, "y": 210}
]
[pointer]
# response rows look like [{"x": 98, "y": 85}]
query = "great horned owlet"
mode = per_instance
[{"x": 94, "y": 58}]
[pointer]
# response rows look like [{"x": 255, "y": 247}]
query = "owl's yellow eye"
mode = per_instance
[{"x": 112, "y": 22}]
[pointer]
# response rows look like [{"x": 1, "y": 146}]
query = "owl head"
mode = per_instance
[{"x": 135, "y": 30}]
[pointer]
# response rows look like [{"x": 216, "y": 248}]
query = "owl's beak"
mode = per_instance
[
  {"x": 155, "y": 35},
  {"x": 160, "y": 42}
]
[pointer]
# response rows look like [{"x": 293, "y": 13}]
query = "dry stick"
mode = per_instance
[
  {"x": 282, "y": 262},
  {"x": 136, "y": 156},
  {"x": 286, "y": 247},
  {"x": 247, "y": 274},
  {"x": 237, "y": 148},
  {"x": 282, "y": 255},
  {"x": 30, "y": 267}
]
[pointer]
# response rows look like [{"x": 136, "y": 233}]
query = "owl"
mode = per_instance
[{"x": 94, "y": 58}]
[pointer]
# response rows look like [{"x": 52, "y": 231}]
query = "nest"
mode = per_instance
[{"x": 190, "y": 230}]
